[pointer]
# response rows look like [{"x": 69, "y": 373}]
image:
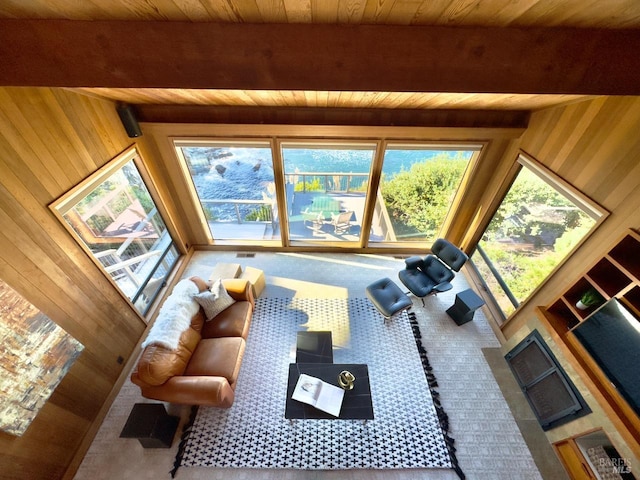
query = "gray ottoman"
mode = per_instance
[{"x": 387, "y": 297}]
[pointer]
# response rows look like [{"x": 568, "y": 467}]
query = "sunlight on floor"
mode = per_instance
[
  {"x": 304, "y": 289},
  {"x": 321, "y": 258}
]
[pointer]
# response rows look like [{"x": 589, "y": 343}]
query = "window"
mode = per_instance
[
  {"x": 331, "y": 192},
  {"x": 114, "y": 218},
  {"x": 417, "y": 189},
  {"x": 538, "y": 224},
  {"x": 234, "y": 183},
  {"x": 326, "y": 188}
]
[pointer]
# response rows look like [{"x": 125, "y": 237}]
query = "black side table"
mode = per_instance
[
  {"x": 151, "y": 425},
  {"x": 466, "y": 303},
  {"x": 314, "y": 347}
]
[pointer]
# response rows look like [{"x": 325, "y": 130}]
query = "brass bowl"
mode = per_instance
[{"x": 346, "y": 379}]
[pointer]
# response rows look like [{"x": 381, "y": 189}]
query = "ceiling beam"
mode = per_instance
[
  {"x": 150, "y": 54},
  {"x": 332, "y": 116}
]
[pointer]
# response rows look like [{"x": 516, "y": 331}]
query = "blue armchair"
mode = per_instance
[{"x": 433, "y": 274}]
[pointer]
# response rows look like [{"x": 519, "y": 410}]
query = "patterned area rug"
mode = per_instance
[{"x": 407, "y": 431}]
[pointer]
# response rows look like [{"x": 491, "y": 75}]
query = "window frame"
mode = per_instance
[
  {"x": 589, "y": 206},
  {"x": 68, "y": 200},
  {"x": 477, "y": 147},
  {"x": 177, "y": 143}
]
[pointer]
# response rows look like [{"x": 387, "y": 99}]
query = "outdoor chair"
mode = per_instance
[
  {"x": 434, "y": 273},
  {"x": 341, "y": 222}
]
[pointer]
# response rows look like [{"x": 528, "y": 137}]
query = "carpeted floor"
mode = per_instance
[
  {"x": 405, "y": 432},
  {"x": 489, "y": 444}
]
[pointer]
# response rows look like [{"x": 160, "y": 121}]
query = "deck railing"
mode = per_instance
[
  {"x": 328, "y": 181},
  {"x": 264, "y": 211},
  {"x": 241, "y": 209}
]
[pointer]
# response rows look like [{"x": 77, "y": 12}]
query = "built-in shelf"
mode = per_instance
[{"x": 615, "y": 275}]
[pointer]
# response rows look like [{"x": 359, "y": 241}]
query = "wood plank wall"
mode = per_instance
[
  {"x": 50, "y": 139},
  {"x": 595, "y": 146}
]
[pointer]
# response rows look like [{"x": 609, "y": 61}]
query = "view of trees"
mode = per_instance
[
  {"x": 419, "y": 199},
  {"x": 534, "y": 229},
  {"x": 530, "y": 234}
]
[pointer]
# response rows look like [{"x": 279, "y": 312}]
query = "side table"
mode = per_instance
[
  {"x": 314, "y": 347},
  {"x": 151, "y": 425},
  {"x": 225, "y": 270},
  {"x": 465, "y": 305}
]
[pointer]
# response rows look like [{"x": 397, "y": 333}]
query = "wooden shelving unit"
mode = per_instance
[{"x": 615, "y": 275}]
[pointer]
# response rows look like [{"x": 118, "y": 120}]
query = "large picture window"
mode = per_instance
[
  {"x": 539, "y": 223},
  {"x": 234, "y": 184},
  {"x": 114, "y": 218},
  {"x": 326, "y": 187},
  {"x": 331, "y": 192},
  {"x": 418, "y": 187}
]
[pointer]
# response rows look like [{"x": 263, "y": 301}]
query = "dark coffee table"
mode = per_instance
[{"x": 356, "y": 404}]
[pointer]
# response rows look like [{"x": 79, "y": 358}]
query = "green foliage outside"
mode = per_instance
[
  {"x": 261, "y": 214},
  {"x": 129, "y": 178},
  {"x": 419, "y": 199},
  {"x": 313, "y": 186},
  {"x": 531, "y": 233}
]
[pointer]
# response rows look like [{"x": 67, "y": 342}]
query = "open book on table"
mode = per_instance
[{"x": 319, "y": 394}]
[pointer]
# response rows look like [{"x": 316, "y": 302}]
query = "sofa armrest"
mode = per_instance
[
  {"x": 240, "y": 290},
  {"x": 189, "y": 390}
]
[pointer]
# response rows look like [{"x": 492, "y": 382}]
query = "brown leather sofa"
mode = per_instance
[{"x": 204, "y": 369}]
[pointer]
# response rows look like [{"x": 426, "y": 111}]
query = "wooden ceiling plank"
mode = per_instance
[
  {"x": 325, "y": 11},
  {"x": 193, "y": 10},
  {"x": 272, "y": 11},
  {"x": 403, "y": 12},
  {"x": 222, "y": 11},
  {"x": 297, "y": 11},
  {"x": 457, "y": 11},
  {"x": 526, "y": 13}
]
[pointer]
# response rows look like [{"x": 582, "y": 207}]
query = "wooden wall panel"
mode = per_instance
[
  {"x": 51, "y": 139},
  {"x": 594, "y": 146}
]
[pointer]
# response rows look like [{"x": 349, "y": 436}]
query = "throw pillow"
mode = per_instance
[{"x": 214, "y": 301}]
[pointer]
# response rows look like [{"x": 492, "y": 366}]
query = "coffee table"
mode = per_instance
[{"x": 356, "y": 404}]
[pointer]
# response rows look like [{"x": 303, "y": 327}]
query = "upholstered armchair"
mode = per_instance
[{"x": 433, "y": 274}]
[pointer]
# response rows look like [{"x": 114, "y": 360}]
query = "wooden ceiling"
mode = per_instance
[
  {"x": 601, "y": 14},
  {"x": 496, "y": 13},
  {"x": 325, "y": 99}
]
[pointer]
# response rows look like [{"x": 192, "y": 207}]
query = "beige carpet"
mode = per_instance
[{"x": 489, "y": 444}]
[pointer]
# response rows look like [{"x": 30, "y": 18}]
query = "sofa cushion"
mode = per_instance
[
  {"x": 157, "y": 363},
  {"x": 232, "y": 322},
  {"x": 218, "y": 357},
  {"x": 214, "y": 301},
  {"x": 198, "y": 320}
]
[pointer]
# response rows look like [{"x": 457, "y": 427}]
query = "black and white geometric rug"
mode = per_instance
[{"x": 407, "y": 431}]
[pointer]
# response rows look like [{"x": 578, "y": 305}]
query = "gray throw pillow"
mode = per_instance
[{"x": 214, "y": 301}]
